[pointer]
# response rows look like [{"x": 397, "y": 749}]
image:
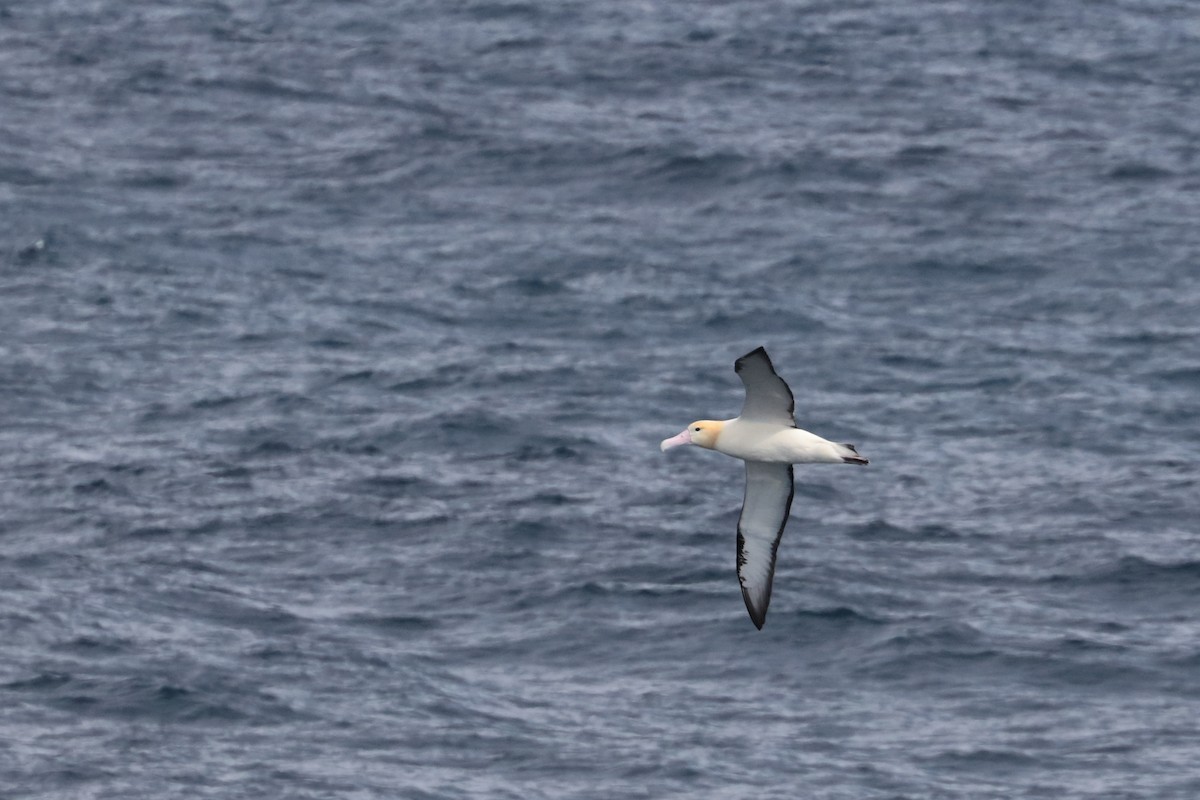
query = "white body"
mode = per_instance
[{"x": 766, "y": 441}]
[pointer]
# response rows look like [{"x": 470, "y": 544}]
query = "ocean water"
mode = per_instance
[{"x": 337, "y": 341}]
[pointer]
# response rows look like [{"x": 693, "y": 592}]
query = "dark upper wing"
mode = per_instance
[
  {"x": 765, "y": 511},
  {"x": 768, "y": 398}
]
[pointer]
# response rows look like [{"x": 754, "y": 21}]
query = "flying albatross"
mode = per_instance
[{"x": 765, "y": 436}]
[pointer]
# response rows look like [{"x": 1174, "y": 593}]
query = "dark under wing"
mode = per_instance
[
  {"x": 768, "y": 398},
  {"x": 765, "y": 510}
]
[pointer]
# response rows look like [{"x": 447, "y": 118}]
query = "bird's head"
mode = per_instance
[{"x": 702, "y": 433}]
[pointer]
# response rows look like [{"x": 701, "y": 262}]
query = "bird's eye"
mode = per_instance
[{"x": 696, "y": 429}]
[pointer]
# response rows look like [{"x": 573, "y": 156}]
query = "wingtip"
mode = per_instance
[
  {"x": 758, "y": 617},
  {"x": 760, "y": 350}
]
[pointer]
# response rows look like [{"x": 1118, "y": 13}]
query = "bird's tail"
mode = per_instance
[{"x": 851, "y": 456}]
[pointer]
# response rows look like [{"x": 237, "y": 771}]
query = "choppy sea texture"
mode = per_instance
[{"x": 336, "y": 341}]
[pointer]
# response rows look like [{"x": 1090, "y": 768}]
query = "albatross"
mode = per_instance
[{"x": 765, "y": 436}]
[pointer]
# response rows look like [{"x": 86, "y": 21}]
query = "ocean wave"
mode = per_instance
[{"x": 1133, "y": 573}]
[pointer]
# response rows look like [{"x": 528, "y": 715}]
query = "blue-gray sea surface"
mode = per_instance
[{"x": 337, "y": 340}]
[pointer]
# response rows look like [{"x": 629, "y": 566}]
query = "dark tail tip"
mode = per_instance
[{"x": 854, "y": 459}]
